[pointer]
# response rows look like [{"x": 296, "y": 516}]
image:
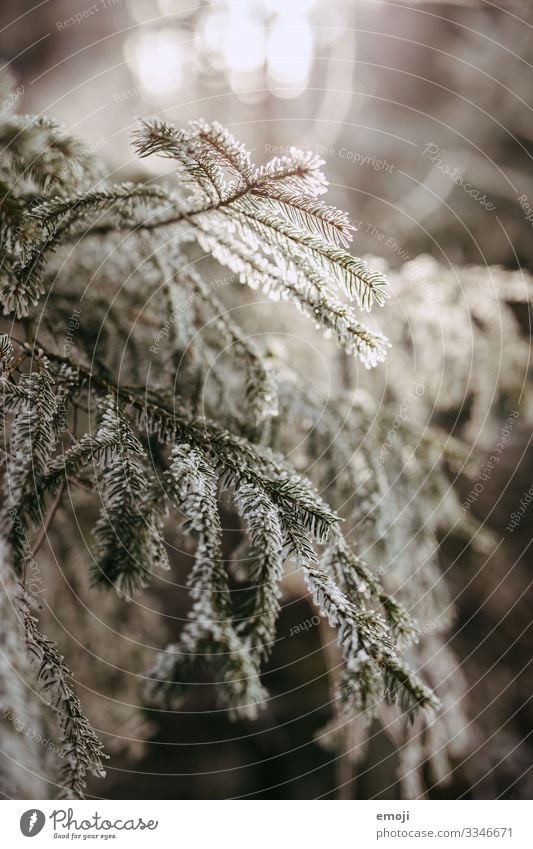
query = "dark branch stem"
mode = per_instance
[
  {"x": 49, "y": 519},
  {"x": 203, "y": 432},
  {"x": 248, "y": 188}
]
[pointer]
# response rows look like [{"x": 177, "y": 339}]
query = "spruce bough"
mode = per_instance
[{"x": 152, "y": 444}]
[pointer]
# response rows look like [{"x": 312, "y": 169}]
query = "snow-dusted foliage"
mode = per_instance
[
  {"x": 396, "y": 454},
  {"x": 156, "y": 440}
]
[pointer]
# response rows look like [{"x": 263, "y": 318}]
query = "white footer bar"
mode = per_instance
[{"x": 268, "y": 824}]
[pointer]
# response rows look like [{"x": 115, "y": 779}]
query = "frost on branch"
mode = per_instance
[{"x": 150, "y": 443}]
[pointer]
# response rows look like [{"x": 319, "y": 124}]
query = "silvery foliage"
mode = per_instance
[{"x": 154, "y": 445}]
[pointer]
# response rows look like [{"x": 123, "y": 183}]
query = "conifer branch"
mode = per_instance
[
  {"x": 150, "y": 455},
  {"x": 129, "y": 542},
  {"x": 266, "y": 557},
  {"x": 368, "y": 652},
  {"x": 82, "y": 750},
  {"x": 209, "y": 636}
]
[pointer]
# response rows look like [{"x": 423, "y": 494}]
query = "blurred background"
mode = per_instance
[
  {"x": 423, "y": 114},
  {"x": 399, "y": 98}
]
